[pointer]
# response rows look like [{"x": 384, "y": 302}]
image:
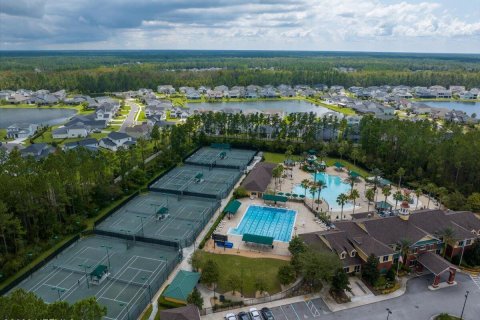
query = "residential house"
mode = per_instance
[
  {"x": 21, "y": 130},
  {"x": 116, "y": 140},
  {"x": 166, "y": 89},
  {"x": 90, "y": 144},
  {"x": 37, "y": 150},
  {"x": 139, "y": 131},
  {"x": 73, "y": 131}
]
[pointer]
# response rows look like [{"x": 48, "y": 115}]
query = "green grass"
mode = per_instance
[
  {"x": 445, "y": 316},
  {"x": 345, "y": 111},
  {"x": 278, "y": 157},
  {"x": 141, "y": 116},
  {"x": 249, "y": 269},
  {"x": 147, "y": 313},
  {"x": 3, "y": 134}
]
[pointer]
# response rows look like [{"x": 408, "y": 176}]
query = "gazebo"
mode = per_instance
[
  {"x": 232, "y": 207},
  {"x": 99, "y": 274}
]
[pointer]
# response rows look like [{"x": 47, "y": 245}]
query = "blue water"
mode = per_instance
[
  {"x": 265, "y": 221},
  {"x": 467, "y": 107},
  {"x": 332, "y": 189}
]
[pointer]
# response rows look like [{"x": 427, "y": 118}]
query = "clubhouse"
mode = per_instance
[{"x": 422, "y": 231}]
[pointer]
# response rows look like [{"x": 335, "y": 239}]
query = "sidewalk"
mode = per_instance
[
  {"x": 187, "y": 252},
  {"x": 334, "y": 307}
]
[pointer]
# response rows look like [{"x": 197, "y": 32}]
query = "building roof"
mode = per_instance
[
  {"x": 391, "y": 230},
  {"x": 114, "y": 135},
  {"x": 189, "y": 312},
  {"x": 259, "y": 178},
  {"x": 232, "y": 207},
  {"x": 247, "y": 237},
  {"x": 434, "y": 262},
  {"x": 274, "y": 197},
  {"x": 99, "y": 271},
  {"x": 182, "y": 285}
]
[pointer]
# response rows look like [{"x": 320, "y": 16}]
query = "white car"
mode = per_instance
[
  {"x": 255, "y": 314},
  {"x": 230, "y": 316}
]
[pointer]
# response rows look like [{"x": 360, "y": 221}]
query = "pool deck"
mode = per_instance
[
  {"x": 287, "y": 184},
  {"x": 304, "y": 223}
]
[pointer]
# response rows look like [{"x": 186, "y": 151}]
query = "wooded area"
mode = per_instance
[{"x": 108, "y": 71}]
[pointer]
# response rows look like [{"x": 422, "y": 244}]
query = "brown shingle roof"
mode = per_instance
[
  {"x": 434, "y": 262},
  {"x": 468, "y": 220},
  {"x": 370, "y": 246},
  {"x": 392, "y": 230},
  {"x": 259, "y": 178},
  {"x": 189, "y": 312}
]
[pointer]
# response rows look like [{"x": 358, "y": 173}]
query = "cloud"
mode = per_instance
[{"x": 236, "y": 24}]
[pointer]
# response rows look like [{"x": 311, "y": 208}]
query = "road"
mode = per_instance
[
  {"x": 130, "y": 119},
  {"x": 418, "y": 303}
]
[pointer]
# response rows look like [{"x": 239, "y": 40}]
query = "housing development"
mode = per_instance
[{"x": 295, "y": 160}]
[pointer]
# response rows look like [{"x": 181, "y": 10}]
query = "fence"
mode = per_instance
[
  {"x": 17, "y": 281},
  {"x": 294, "y": 290}
]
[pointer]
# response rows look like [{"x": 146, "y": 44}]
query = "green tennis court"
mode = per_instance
[
  {"x": 133, "y": 274},
  {"x": 162, "y": 216},
  {"x": 198, "y": 181},
  {"x": 222, "y": 158}
]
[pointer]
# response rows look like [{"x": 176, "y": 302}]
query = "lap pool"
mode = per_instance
[{"x": 267, "y": 221}]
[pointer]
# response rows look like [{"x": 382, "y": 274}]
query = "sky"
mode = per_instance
[{"x": 312, "y": 25}]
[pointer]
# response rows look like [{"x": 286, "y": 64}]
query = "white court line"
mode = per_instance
[
  {"x": 122, "y": 270},
  {"x": 55, "y": 271},
  {"x": 126, "y": 286},
  {"x": 113, "y": 300}
]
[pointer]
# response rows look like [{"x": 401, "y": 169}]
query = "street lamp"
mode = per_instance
[
  {"x": 127, "y": 232},
  {"x": 58, "y": 291},
  {"x": 85, "y": 267},
  {"x": 389, "y": 312},
  {"x": 463, "y": 309},
  {"x": 108, "y": 254},
  {"x": 149, "y": 290}
]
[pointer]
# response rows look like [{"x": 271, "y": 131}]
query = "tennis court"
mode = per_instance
[
  {"x": 198, "y": 181},
  {"x": 134, "y": 275},
  {"x": 222, "y": 158},
  {"x": 162, "y": 216}
]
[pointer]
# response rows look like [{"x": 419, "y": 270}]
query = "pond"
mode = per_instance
[
  {"x": 283, "y": 106},
  {"x": 38, "y": 116},
  {"x": 467, "y": 107}
]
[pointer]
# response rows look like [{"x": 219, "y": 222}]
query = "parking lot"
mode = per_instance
[{"x": 308, "y": 309}]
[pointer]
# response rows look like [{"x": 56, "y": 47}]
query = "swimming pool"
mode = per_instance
[
  {"x": 266, "y": 221},
  {"x": 332, "y": 189}
]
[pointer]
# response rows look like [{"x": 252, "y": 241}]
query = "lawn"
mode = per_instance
[
  {"x": 249, "y": 270},
  {"x": 445, "y": 316},
  {"x": 345, "y": 111},
  {"x": 280, "y": 157},
  {"x": 3, "y": 134}
]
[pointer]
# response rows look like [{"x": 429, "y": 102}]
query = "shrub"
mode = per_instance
[
  {"x": 240, "y": 192},
  {"x": 390, "y": 274},
  {"x": 286, "y": 274}
]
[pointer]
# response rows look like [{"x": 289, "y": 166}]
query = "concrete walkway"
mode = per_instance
[{"x": 187, "y": 253}]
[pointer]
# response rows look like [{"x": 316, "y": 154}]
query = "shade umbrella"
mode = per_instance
[
  {"x": 302, "y": 196},
  {"x": 280, "y": 193},
  {"x": 294, "y": 195},
  {"x": 288, "y": 194}
]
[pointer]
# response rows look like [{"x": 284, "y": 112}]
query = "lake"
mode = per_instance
[
  {"x": 467, "y": 107},
  {"x": 284, "y": 106},
  {"x": 49, "y": 117}
]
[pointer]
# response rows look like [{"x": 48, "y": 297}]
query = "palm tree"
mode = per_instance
[
  {"x": 376, "y": 173},
  {"x": 386, "y": 191},
  {"x": 400, "y": 174},
  {"x": 442, "y": 193},
  {"x": 313, "y": 189},
  {"x": 431, "y": 187},
  {"x": 354, "y": 195},
  {"x": 404, "y": 248},
  {"x": 342, "y": 200},
  {"x": 304, "y": 184},
  {"x": 370, "y": 195},
  {"x": 448, "y": 238},
  {"x": 320, "y": 184},
  {"x": 418, "y": 192},
  {"x": 398, "y": 197}
]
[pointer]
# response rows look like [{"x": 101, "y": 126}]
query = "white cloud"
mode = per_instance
[{"x": 239, "y": 24}]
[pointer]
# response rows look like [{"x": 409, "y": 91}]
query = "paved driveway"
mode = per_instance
[
  {"x": 418, "y": 303},
  {"x": 130, "y": 119}
]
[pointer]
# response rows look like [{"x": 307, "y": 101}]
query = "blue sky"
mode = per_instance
[{"x": 351, "y": 25}]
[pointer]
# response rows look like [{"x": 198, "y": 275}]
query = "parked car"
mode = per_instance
[
  {"x": 230, "y": 316},
  {"x": 267, "y": 314},
  {"x": 243, "y": 316},
  {"x": 254, "y": 314}
]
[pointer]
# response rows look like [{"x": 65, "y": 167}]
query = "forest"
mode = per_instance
[{"x": 96, "y": 72}]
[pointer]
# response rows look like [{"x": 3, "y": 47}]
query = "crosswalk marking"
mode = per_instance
[{"x": 476, "y": 280}]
